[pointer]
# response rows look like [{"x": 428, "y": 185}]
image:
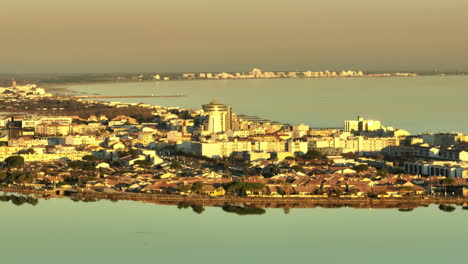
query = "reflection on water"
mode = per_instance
[
  {"x": 243, "y": 210},
  {"x": 19, "y": 199},
  {"x": 405, "y": 209},
  {"x": 63, "y": 231},
  {"x": 88, "y": 200},
  {"x": 447, "y": 208},
  {"x": 261, "y": 208},
  {"x": 195, "y": 207},
  {"x": 240, "y": 210},
  {"x": 258, "y": 208},
  {"x": 255, "y": 208}
]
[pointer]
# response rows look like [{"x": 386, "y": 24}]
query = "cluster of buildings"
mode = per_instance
[
  {"x": 315, "y": 181},
  {"x": 28, "y": 91},
  {"x": 178, "y": 147},
  {"x": 258, "y": 73}
]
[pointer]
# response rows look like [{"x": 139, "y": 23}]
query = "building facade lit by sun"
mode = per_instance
[{"x": 219, "y": 117}]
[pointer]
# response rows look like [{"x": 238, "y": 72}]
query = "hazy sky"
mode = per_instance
[{"x": 202, "y": 35}]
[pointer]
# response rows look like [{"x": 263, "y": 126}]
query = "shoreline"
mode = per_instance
[
  {"x": 262, "y": 202},
  {"x": 65, "y": 89},
  {"x": 60, "y": 86}
]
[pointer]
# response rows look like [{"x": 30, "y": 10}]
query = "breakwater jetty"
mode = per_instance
[{"x": 125, "y": 96}]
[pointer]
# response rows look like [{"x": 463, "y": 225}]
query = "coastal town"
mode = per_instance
[
  {"x": 255, "y": 73},
  {"x": 259, "y": 74},
  {"x": 67, "y": 146}
]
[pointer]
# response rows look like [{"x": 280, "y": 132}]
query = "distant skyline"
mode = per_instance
[{"x": 55, "y": 36}]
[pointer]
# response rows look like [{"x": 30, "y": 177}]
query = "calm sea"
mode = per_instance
[
  {"x": 432, "y": 103},
  {"x": 63, "y": 231}
]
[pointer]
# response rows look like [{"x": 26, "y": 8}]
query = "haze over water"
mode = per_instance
[
  {"x": 429, "y": 103},
  {"x": 209, "y": 35}
]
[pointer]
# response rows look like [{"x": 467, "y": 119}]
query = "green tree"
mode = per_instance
[
  {"x": 447, "y": 181},
  {"x": 25, "y": 177},
  {"x": 198, "y": 186},
  {"x": 19, "y": 177},
  {"x": 242, "y": 187},
  {"x": 89, "y": 167},
  {"x": 183, "y": 188},
  {"x": 27, "y": 151},
  {"x": 312, "y": 154},
  {"x": 91, "y": 158},
  {"x": 382, "y": 172},
  {"x": 3, "y": 176},
  {"x": 298, "y": 168},
  {"x": 175, "y": 165},
  {"x": 245, "y": 164},
  {"x": 144, "y": 163},
  {"x": 76, "y": 164},
  {"x": 350, "y": 155},
  {"x": 361, "y": 168},
  {"x": 14, "y": 162}
]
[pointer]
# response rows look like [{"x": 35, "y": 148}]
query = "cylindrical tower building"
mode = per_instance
[{"x": 219, "y": 117}]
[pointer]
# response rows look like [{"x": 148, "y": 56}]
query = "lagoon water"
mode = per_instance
[
  {"x": 426, "y": 103},
  {"x": 64, "y": 231}
]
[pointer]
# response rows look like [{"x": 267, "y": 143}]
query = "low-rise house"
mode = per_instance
[
  {"x": 304, "y": 190},
  {"x": 213, "y": 191},
  {"x": 103, "y": 165},
  {"x": 386, "y": 191},
  {"x": 273, "y": 190}
]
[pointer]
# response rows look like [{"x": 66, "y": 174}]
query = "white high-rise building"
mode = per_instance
[
  {"x": 362, "y": 125},
  {"x": 219, "y": 117}
]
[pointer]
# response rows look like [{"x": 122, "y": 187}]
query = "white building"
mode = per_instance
[
  {"x": 300, "y": 130},
  {"x": 299, "y": 147},
  {"x": 220, "y": 148},
  {"x": 362, "y": 125},
  {"x": 442, "y": 139},
  {"x": 438, "y": 168},
  {"x": 353, "y": 144},
  {"x": 49, "y": 120},
  {"x": 218, "y": 117},
  {"x": 80, "y": 140}
]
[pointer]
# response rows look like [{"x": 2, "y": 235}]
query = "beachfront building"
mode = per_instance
[
  {"x": 426, "y": 152},
  {"x": 444, "y": 139},
  {"x": 220, "y": 148},
  {"x": 346, "y": 143},
  {"x": 437, "y": 168},
  {"x": 219, "y": 117},
  {"x": 46, "y": 120},
  {"x": 362, "y": 125}
]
